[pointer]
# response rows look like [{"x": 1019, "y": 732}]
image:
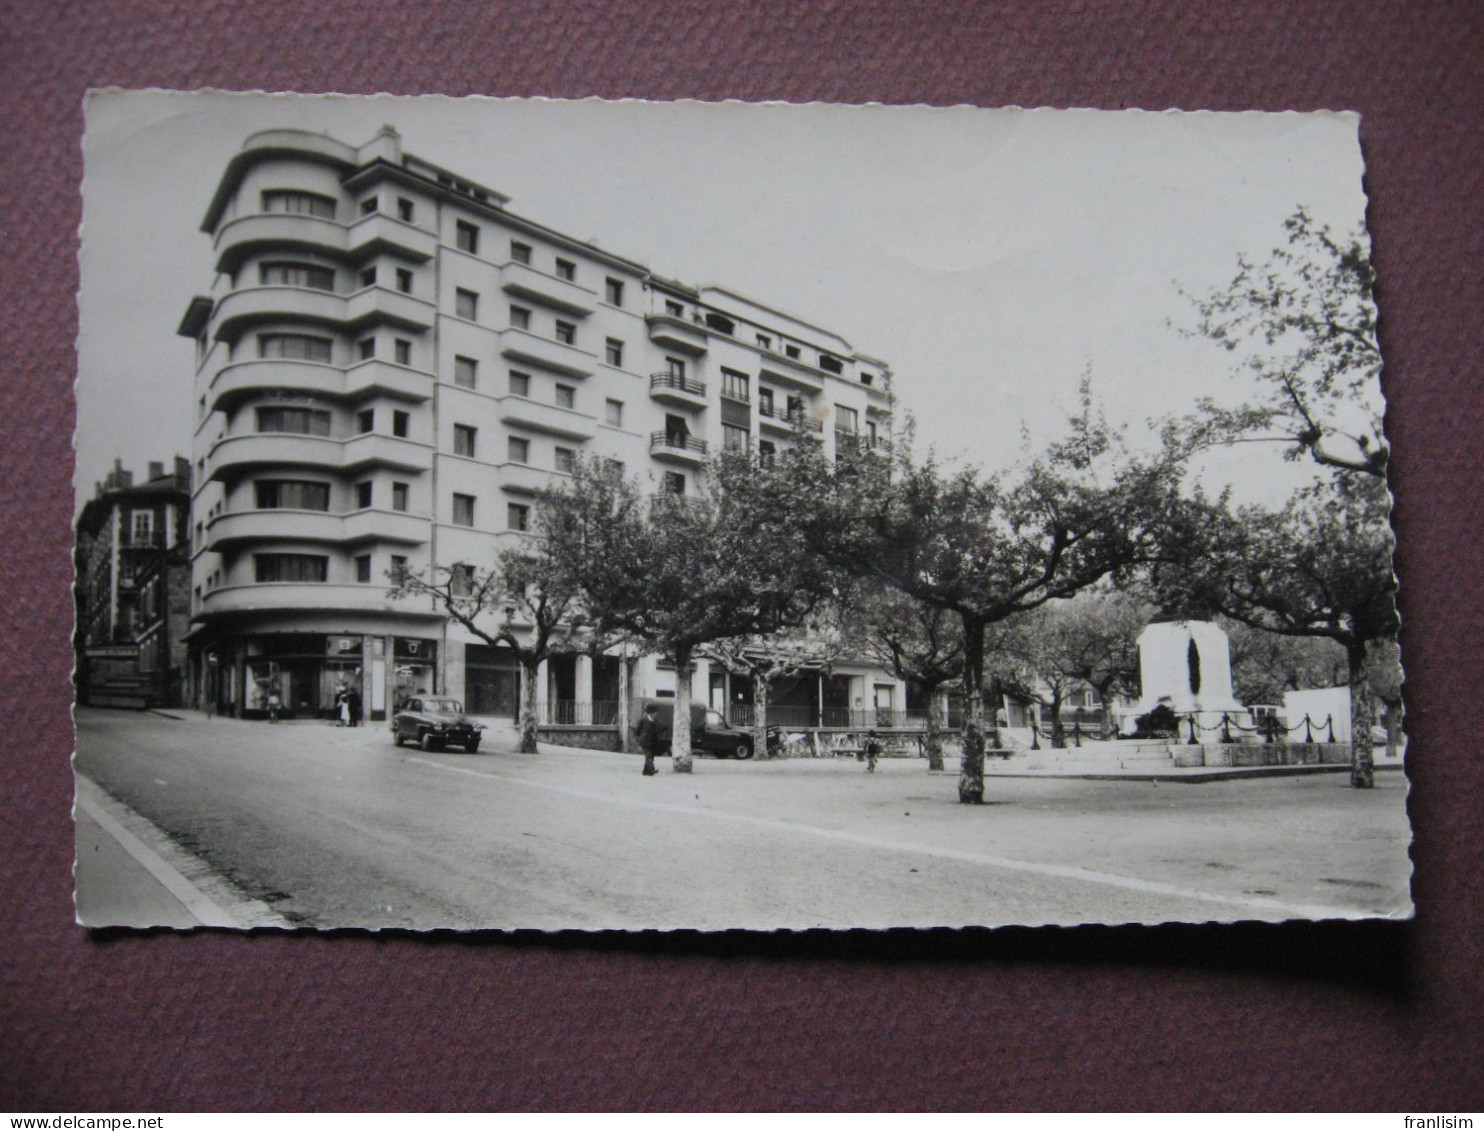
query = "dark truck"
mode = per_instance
[{"x": 710, "y": 733}]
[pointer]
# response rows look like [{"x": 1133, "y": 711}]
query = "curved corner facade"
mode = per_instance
[{"x": 391, "y": 364}]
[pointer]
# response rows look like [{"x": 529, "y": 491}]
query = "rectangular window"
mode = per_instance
[
  {"x": 846, "y": 419},
  {"x": 142, "y": 527},
  {"x": 518, "y": 516},
  {"x": 734, "y": 385},
  {"x": 463, "y": 440},
  {"x": 401, "y": 351},
  {"x": 519, "y": 450},
  {"x": 363, "y": 568},
  {"x": 520, "y": 384},
  {"x": 399, "y": 567},
  {"x": 460, "y": 579},
  {"x": 404, "y": 210},
  {"x": 399, "y": 496},
  {"x": 400, "y": 422},
  {"x": 566, "y": 460},
  {"x": 368, "y": 277},
  {"x": 791, "y": 351},
  {"x": 674, "y": 483},
  {"x": 366, "y": 349},
  {"x": 613, "y": 413},
  {"x": 830, "y": 364},
  {"x": 290, "y": 567},
  {"x": 613, "y": 352},
  {"x": 291, "y": 494},
  {"x": 404, "y": 280},
  {"x": 566, "y": 332},
  {"x": 298, "y": 347},
  {"x": 765, "y": 341},
  {"x": 363, "y": 494},
  {"x": 299, "y": 275},
  {"x": 520, "y": 252},
  {"x": 733, "y": 439},
  {"x": 764, "y": 401},
  {"x": 613, "y": 291},
  {"x": 463, "y": 510},
  {"x": 466, "y": 236},
  {"x": 465, "y": 372},
  {"x": 465, "y": 304},
  {"x": 366, "y": 420},
  {"x": 566, "y": 269},
  {"x": 520, "y": 318},
  {"x": 299, "y": 203},
  {"x": 305, "y": 421},
  {"x": 675, "y": 366},
  {"x": 674, "y": 309},
  {"x": 369, "y": 206},
  {"x": 566, "y": 396},
  {"x": 868, "y": 378},
  {"x": 765, "y": 452}
]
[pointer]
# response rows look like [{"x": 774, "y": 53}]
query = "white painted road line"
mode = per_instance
[
  {"x": 90, "y": 799},
  {"x": 1059, "y": 871}
]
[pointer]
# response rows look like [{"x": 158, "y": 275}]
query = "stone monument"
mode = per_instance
[{"x": 1186, "y": 665}]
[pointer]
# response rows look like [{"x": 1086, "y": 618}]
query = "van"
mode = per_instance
[{"x": 710, "y": 733}]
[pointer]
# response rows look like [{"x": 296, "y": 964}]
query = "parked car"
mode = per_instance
[
  {"x": 434, "y": 722},
  {"x": 710, "y": 733}
]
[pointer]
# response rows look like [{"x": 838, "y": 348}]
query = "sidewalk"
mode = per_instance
[{"x": 128, "y": 873}]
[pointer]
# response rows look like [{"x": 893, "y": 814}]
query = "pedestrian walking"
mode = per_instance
[
  {"x": 342, "y": 702},
  {"x": 873, "y": 751},
  {"x": 648, "y": 734},
  {"x": 353, "y": 700},
  {"x": 275, "y": 704}
]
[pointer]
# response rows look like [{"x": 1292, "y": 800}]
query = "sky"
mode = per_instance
[{"x": 990, "y": 257}]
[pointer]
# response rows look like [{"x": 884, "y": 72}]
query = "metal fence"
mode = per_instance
[{"x": 572, "y": 712}]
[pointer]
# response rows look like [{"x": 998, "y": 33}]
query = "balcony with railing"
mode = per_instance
[
  {"x": 785, "y": 423},
  {"x": 675, "y": 333},
  {"x": 679, "y": 447},
  {"x": 671, "y": 388},
  {"x": 524, "y": 281}
]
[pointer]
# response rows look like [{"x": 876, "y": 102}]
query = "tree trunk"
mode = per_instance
[
  {"x": 528, "y": 672},
  {"x": 971, "y": 767},
  {"x": 759, "y": 716},
  {"x": 680, "y": 760},
  {"x": 933, "y": 741},
  {"x": 1393, "y": 727},
  {"x": 625, "y": 739},
  {"x": 1362, "y": 765},
  {"x": 1058, "y": 731}
]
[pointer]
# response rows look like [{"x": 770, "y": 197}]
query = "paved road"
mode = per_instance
[{"x": 335, "y": 827}]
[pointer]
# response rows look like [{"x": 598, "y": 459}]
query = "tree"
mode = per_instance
[
  {"x": 523, "y": 602},
  {"x": 680, "y": 571},
  {"x": 1320, "y": 567},
  {"x": 762, "y": 659},
  {"x": 917, "y": 642},
  {"x": 1304, "y": 322},
  {"x": 988, "y": 548},
  {"x": 1090, "y": 640},
  {"x": 1265, "y": 665}
]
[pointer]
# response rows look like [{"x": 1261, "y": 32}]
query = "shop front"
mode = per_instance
[
  {"x": 414, "y": 669},
  {"x": 308, "y": 671}
]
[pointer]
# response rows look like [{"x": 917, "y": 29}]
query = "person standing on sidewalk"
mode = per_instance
[
  {"x": 648, "y": 734},
  {"x": 274, "y": 704},
  {"x": 873, "y": 751}
]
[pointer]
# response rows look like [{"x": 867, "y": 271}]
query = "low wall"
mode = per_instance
[
  {"x": 1262, "y": 754},
  {"x": 589, "y": 738}
]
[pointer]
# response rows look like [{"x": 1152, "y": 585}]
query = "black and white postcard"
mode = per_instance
[{"x": 501, "y": 514}]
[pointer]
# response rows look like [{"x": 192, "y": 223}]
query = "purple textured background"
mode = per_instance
[{"x": 1369, "y": 1016}]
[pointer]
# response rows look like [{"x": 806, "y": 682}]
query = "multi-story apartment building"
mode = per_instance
[
  {"x": 392, "y": 364},
  {"x": 132, "y": 561}
]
